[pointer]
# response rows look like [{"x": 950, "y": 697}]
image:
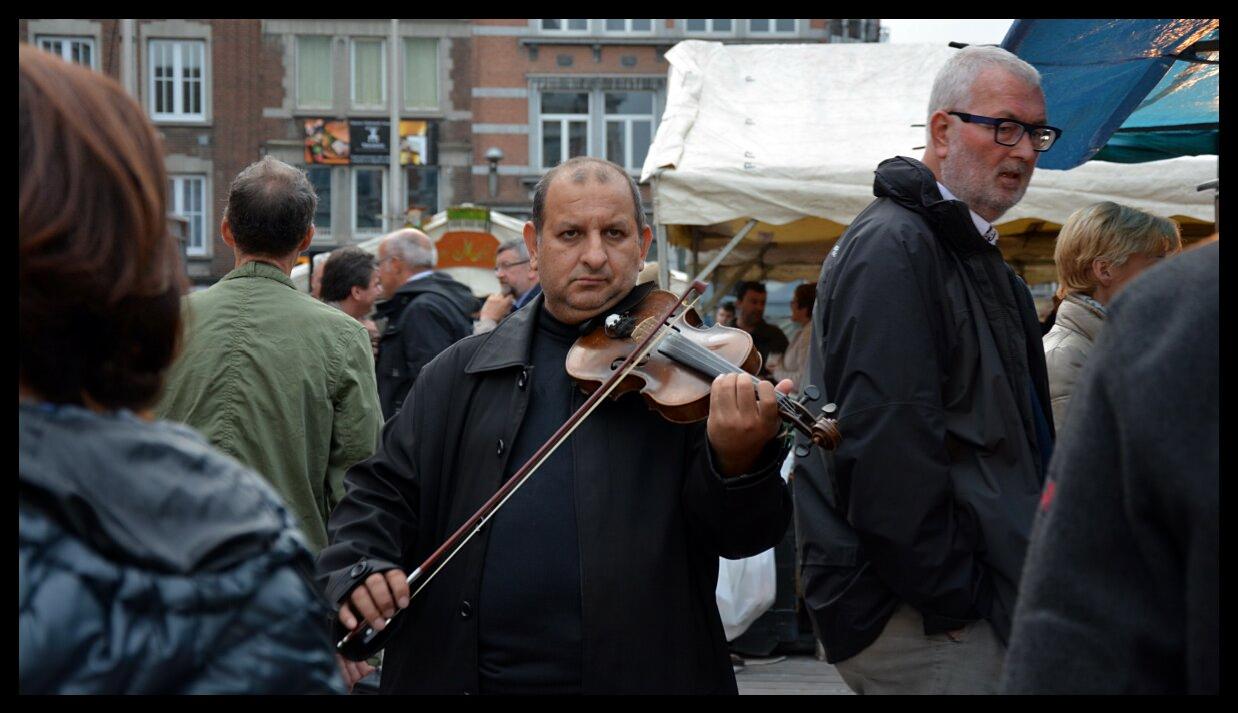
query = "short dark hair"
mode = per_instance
[
  {"x": 727, "y": 306},
  {"x": 348, "y": 267},
  {"x": 745, "y": 287},
  {"x": 805, "y": 295},
  {"x": 578, "y": 166},
  {"x": 270, "y": 208},
  {"x": 99, "y": 275}
]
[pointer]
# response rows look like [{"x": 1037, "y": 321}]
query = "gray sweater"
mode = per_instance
[{"x": 1120, "y": 590}]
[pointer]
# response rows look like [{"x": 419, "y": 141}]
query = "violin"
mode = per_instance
[
  {"x": 676, "y": 376},
  {"x": 658, "y": 347}
]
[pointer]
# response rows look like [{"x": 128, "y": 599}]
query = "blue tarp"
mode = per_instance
[{"x": 1100, "y": 76}]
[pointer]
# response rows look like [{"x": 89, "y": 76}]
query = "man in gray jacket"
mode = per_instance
[{"x": 913, "y": 536}]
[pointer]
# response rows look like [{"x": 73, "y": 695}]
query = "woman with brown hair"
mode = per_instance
[{"x": 148, "y": 562}]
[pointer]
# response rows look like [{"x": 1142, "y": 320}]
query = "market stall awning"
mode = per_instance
[
  {"x": 1139, "y": 78},
  {"x": 789, "y": 136}
]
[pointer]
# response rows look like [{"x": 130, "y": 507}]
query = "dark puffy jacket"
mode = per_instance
[
  {"x": 148, "y": 562},
  {"x": 424, "y": 317},
  {"x": 929, "y": 343}
]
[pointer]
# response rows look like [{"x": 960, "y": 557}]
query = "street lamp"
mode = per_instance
[{"x": 494, "y": 155}]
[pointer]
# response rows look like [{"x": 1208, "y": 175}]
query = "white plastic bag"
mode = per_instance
[{"x": 745, "y": 591}]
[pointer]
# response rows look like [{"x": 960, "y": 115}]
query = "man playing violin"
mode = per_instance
[{"x": 598, "y": 575}]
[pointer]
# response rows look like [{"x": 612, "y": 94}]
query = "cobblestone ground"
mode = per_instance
[{"x": 789, "y": 676}]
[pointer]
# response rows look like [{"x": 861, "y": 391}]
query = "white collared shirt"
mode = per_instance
[
  {"x": 419, "y": 275},
  {"x": 985, "y": 228}
]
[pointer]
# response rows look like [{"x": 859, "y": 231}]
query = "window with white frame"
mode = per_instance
[
  {"x": 79, "y": 50},
  {"x": 629, "y": 26},
  {"x": 187, "y": 196},
  {"x": 565, "y": 25},
  {"x": 369, "y": 73},
  {"x": 772, "y": 27},
  {"x": 629, "y": 127},
  {"x": 177, "y": 86},
  {"x": 320, "y": 179},
  {"x": 564, "y": 123},
  {"x": 710, "y": 26},
  {"x": 369, "y": 204},
  {"x": 315, "y": 71},
  {"x": 420, "y": 73}
]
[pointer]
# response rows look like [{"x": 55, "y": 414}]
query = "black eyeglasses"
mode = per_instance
[{"x": 1007, "y": 132}]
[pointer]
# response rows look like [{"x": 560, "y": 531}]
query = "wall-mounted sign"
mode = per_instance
[
  {"x": 326, "y": 141},
  {"x": 414, "y": 143},
  {"x": 371, "y": 141}
]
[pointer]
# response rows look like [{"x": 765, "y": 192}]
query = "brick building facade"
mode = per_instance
[{"x": 223, "y": 93}]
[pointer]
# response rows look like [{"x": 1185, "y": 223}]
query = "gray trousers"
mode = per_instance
[{"x": 904, "y": 660}]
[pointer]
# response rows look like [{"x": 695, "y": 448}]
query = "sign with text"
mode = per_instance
[{"x": 371, "y": 141}]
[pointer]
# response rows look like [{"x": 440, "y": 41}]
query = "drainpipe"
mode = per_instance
[
  {"x": 397, "y": 205},
  {"x": 128, "y": 68}
]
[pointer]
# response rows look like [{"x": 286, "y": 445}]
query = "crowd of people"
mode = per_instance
[{"x": 217, "y": 486}]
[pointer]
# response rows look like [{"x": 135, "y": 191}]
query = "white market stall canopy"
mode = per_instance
[
  {"x": 466, "y": 237},
  {"x": 789, "y": 136}
]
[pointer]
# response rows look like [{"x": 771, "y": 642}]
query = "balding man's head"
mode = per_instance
[
  {"x": 403, "y": 254},
  {"x": 412, "y": 246},
  {"x": 583, "y": 169}
]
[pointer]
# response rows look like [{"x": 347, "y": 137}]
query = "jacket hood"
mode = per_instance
[
  {"x": 439, "y": 283},
  {"x": 912, "y": 185},
  {"x": 156, "y": 493}
]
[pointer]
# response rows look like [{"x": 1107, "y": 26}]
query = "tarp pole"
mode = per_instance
[
  {"x": 664, "y": 258},
  {"x": 726, "y": 250}
]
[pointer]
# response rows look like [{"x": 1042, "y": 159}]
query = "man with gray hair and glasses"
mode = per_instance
[
  {"x": 517, "y": 282},
  {"x": 425, "y": 312},
  {"x": 913, "y": 534}
]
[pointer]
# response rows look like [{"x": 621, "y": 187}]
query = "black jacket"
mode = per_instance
[
  {"x": 149, "y": 562},
  {"x": 424, "y": 317},
  {"x": 929, "y": 344},
  {"x": 1122, "y": 589},
  {"x": 653, "y": 518}
]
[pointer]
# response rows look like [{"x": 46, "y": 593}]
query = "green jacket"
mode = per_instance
[{"x": 280, "y": 381}]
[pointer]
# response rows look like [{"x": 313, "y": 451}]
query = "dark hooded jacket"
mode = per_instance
[
  {"x": 929, "y": 344},
  {"x": 423, "y": 317},
  {"x": 148, "y": 562},
  {"x": 652, "y": 513}
]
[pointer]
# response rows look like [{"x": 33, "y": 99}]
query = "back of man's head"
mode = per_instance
[
  {"x": 953, "y": 85},
  {"x": 348, "y": 267},
  {"x": 270, "y": 208},
  {"x": 414, "y": 248}
]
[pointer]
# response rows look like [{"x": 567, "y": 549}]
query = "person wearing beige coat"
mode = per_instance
[{"x": 1099, "y": 250}]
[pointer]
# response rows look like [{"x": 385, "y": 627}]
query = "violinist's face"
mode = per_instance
[{"x": 590, "y": 250}]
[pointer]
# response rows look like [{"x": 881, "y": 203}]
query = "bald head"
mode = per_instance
[
  {"x": 412, "y": 246},
  {"x": 580, "y": 170}
]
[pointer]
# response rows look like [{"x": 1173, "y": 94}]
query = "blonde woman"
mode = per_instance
[{"x": 1099, "y": 250}]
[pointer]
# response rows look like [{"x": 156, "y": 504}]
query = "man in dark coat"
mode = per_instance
[
  {"x": 598, "y": 575},
  {"x": 913, "y": 536},
  {"x": 425, "y": 312},
  {"x": 1122, "y": 589}
]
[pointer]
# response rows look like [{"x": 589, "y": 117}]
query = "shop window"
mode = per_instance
[
  {"x": 369, "y": 200},
  {"x": 320, "y": 178}
]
